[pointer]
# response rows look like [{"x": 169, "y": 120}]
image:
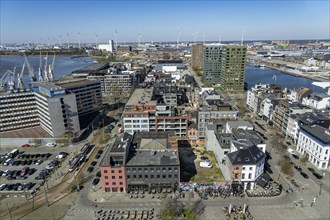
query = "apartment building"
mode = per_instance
[
  {"x": 212, "y": 110},
  {"x": 112, "y": 166},
  {"x": 314, "y": 142},
  {"x": 282, "y": 112},
  {"x": 88, "y": 94},
  {"x": 197, "y": 56},
  {"x": 225, "y": 65},
  {"x": 146, "y": 111}
]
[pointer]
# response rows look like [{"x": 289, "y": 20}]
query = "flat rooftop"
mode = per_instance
[
  {"x": 50, "y": 86},
  {"x": 35, "y": 132},
  {"x": 154, "y": 158},
  {"x": 142, "y": 97},
  {"x": 69, "y": 83}
]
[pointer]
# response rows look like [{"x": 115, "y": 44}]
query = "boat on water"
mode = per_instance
[{"x": 262, "y": 66}]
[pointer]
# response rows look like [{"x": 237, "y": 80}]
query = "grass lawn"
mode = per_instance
[{"x": 208, "y": 175}]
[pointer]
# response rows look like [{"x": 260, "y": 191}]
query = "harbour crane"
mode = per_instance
[
  {"x": 51, "y": 70},
  {"x": 7, "y": 80},
  {"x": 30, "y": 69},
  {"x": 40, "y": 69},
  {"x": 20, "y": 84},
  {"x": 45, "y": 69}
]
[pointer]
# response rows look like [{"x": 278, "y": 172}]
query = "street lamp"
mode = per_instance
[{"x": 323, "y": 174}]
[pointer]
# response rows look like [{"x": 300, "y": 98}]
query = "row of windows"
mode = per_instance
[
  {"x": 145, "y": 169},
  {"x": 113, "y": 171},
  {"x": 164, "y": 176},
  {"x": 113, "y": 177}
]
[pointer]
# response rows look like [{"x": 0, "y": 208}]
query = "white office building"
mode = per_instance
[{"x": 314, "y": 142}]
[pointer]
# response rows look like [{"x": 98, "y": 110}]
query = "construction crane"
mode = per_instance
[
  {"x": 51, "y": 69},
  {"x": 20, "y": 84},
  {"x": 30, "y": 69},
  {"x": 46, "y": 72},
  {"x": 7, "y": 80},
  {"x": 40, "y": 69}
]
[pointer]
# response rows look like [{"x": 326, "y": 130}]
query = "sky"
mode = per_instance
[{"x": 58, "y": 21}]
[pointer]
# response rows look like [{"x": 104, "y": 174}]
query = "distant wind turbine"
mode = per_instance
[
  {"x": 79, "y": 40},
  {"x": 177, "y": 39},
  {"x": 243, "y": 31},
  {"x": 220, "y": 36}
]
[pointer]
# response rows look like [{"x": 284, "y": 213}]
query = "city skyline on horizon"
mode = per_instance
[{"x": 162, "y": 21}]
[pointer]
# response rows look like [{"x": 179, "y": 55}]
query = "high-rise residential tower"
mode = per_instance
[{"x": 225, "y": 65}]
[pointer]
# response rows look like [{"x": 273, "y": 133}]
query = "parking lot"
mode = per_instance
[{"x": 29, "y": 168}]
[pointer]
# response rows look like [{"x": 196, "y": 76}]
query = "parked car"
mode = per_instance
[
  {"x": 31, "y": 171},
  {"x": 5, "y": 173},
  {"x": 29, "y": 185},
  {"x": 90, "y": 169},
  {"x": 317, "y": 175},
  {"x": 51, "y": 145},
  {"x": 25, "y": 145},
  {"x": 62, "y": 155},
  {"x": 95, "y": 181},
  {"x": 3, "y": 186},
  {"x": 205, "y": 164},
  {"x": 94, "y": 163},
  {"x": 39, "y": 162},
  {"x": 304, "y": 175},
  {"x": 298, "y": 168}
]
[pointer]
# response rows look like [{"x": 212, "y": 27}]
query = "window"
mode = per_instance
[
  {"x": 243, "y": 176},
  {"x": 175, "y": 175},
  {"x": 151, "y": 176},
  {"x": 105, "y": 171},
  {"x": 106, "y": 177},
  {"x": 243, "y": 168},
  {"x": 158, "y": 176},
  {"x": 146, "y": 176},
  {"x": 128, "y": 177},
  {"x": 107, "y": 189},
  {"x": 250, "y": 175},
  {"x": 145, "y": 169},
  {"x": 120, "y": 177},
  {"x": 140, "y": 176},
  {"x": 170, "y": 176},
  {"x": 114, "y": 189},
  {"x": 128, "y": 169},
  {"x": 113, "y": 177},
  {"x": 152, "y": 169},
  {"x": 158, "y": 169},
  {"x": 164, "y": 176},
  {"x": 236, "y": 168},
  {"x": 164, "y": 169},
  {"x": 140, "y": 169},
  {"x": 112, "y": 171},
  {"x": 121, "y": 183},
  {"x": 175, "y": 169},
  {"x": 134, "y": 169},
  {"x": 134, "y": 176},
  {"x": 120, "y": 171},
  {"x": 169, "y": 169},
  {"x": 113, "y": 183},
  {"x": 251, "y": 168}
]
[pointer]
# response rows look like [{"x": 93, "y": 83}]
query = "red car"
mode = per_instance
[{"x": 25, "y": 145}]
